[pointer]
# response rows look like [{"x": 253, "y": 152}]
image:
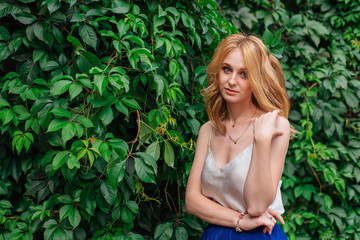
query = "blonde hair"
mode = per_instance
[{"x": 264, "y": 74}]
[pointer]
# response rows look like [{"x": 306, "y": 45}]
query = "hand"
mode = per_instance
[
  {"x": 273, "y": 215},
  {"x": 267, "y": 219},
  {"x": 265, "y": 127}
]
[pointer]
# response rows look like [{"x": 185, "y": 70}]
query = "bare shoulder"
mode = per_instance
[
  {"x": 282, "y": 124},
  {"x": 204, "y": 133},
  {"x": 205, "y": 129}
]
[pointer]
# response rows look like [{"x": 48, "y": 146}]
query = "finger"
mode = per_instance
[
  {"x": 276, "y": 214},
  {"x": 278, "y": 132},
  {"x": 276, "y": 112},
  {"x": 273, "y": 219},
  {"x": 270, "y": 225},
  {"x": 266, "y": 230}
]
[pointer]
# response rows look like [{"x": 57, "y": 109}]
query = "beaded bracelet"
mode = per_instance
[{"x": 238, "y": 229}]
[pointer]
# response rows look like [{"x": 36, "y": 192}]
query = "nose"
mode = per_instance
[{"x": 232, "y": 80}]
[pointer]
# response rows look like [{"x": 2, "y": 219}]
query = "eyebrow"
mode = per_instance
[{"x": 226, "y": 64}]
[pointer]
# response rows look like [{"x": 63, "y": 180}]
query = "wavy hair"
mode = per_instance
[{"x": 264, "y": 74}]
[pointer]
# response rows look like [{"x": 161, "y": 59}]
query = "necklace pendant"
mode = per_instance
[{"x": 235, "y": 142}]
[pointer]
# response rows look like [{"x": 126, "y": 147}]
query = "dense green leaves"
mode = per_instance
[
  {"x": 314, "y": 44},
  {"x": 94, "y": 108},
  {"x": 100, "y": 106}
]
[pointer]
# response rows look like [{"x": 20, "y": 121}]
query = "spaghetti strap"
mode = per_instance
[{"x": 211, "y": 127}]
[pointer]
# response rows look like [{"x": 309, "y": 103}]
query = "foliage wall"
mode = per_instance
[
  {"x": 99, "y": 109},
  {"x": 321, "y": 62}
]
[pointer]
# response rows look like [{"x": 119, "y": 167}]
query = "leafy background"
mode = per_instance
[{"x": 100, "y": 109}]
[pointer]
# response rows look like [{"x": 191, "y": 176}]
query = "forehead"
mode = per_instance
[{"x": 235, "y": 58}]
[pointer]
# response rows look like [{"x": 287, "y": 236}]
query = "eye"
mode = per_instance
[
  {"x": 243, "y": 74},
  {"x": 226, "y": 69}
]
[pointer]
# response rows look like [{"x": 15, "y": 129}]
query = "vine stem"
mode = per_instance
[
  {"x": 109, "y": 62},
  {"x": 132, "y": 144},
  {"x": 320, "y": 186},
  {"x": 307, "y": 161},
  {"x": 138, "y": 131}
]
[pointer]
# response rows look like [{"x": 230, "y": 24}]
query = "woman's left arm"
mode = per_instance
[{"x": 271, "y": 141}]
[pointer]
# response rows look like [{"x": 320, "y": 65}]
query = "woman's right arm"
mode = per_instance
[
  {"x": 208, "y": 210},
  {"x": 196, "y": 203}
]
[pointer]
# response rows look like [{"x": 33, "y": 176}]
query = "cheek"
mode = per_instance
[
  {"x": 248, "y": 88},
  {"x": 221, "y": 77}
]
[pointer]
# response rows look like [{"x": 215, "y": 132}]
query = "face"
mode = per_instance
[{"x": 233, "y": 80}]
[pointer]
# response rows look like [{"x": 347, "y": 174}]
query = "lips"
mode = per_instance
[{"x": 230, "y": 91}]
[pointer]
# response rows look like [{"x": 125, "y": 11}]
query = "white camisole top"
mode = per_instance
[{"x": 225, "y": 185}]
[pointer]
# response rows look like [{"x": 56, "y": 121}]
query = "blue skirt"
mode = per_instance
[{"x": 215, "y": 232}]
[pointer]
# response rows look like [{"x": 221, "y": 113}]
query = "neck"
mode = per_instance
[{"x": 236, "y": 112}]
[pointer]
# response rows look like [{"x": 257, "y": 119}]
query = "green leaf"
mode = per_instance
[
  {"x": 4, "y": 204},
  {"x": 4, "y": 103},
  {"x": 74, "y": 90},
  {"x": 134, "y": 39},
  {"x": 60, "y": 87},
  {"x": 109, "y": 193},
  {"x": 133, "y": 206},
  {"x": 174, "y": 67},
  {"x": 144, "y": 172},
  {"x": 122, "y": 27},
  {"x": 106, "y": 151},
  {"x": 84, "y": 121},
  {"x": 29, "y": 70},
  {"x": 88, "y": 35},
  {"x": 81, "y": 154},
  {"x": 91, "y": 157},
  {"x": 3, "y": 188},
  {"x": 117, "y": 173},
  {"x": 5, "y": 51},
  {"x": 25, "y": 18},
  {"x": 149, "y": 160},
  {"x": 7, "y": 115},
  {"x": 59, "y": 234},
  {"x": 59, "y": 159},
  {"x": 154, "y": 150},
  {"x": 267, "y": 38},
  {"x": 65, "y": 211},
  {"x": 317, "y": 27},
  {"x": 160, "y": 84},
  {"x": 180, "y": 233},
  {"x": 126, "y": 215},
  {"x": 74, "y": 217},
  {"x": 295, "y": 20},
  {"x": 158, "y": 21},
  {"x": 87, "y": 60},
  {"x": 66, "y": 199},
  {"x": 122, "y": 108},
  {"x": 72, "y": 161},
  {"x": 57, "y": 124},
  {"x": 106, "y": 115},
  {"x": 131, "y": 103},
  {"x": 194, "y": 125},
  {"x": 164, "y": 231},
  {"x": 120, "y": 7},
  {"x": 74, "y": 41},
  {"x": 169, "y": 154},
  {"x": 101, "y": 81},
  {"x": 68, "y": 131},
  {"x": 4, "y": 34},
  {"x": 61, "y": 112},
  {"x": 351, "y": 100}
]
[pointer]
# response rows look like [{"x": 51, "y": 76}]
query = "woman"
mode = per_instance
[{"x": 234, "y": 182}]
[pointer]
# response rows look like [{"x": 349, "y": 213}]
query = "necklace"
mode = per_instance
[{"x": 236, "y": 141}]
